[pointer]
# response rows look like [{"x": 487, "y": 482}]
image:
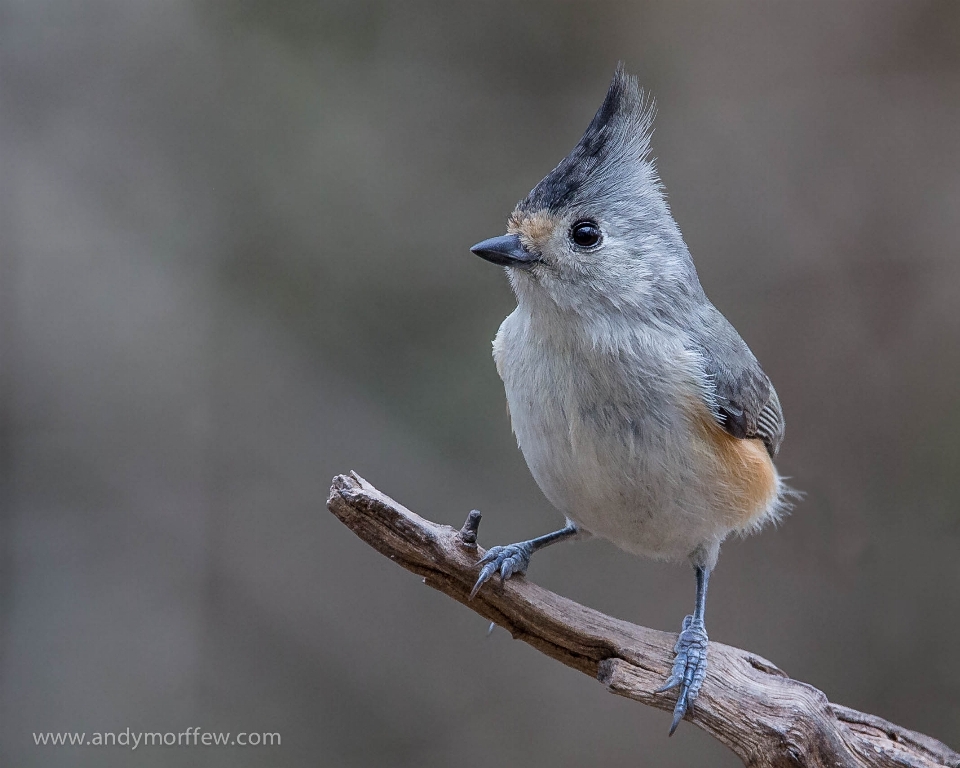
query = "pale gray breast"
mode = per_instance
[{"x": 597, "y": 425}]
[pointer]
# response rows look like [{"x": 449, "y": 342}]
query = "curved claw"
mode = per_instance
[
  {"x": 689, "y": 668},
  {"x": 509, "y": 559},
  {"x": 672, "y": 682},
  {"x": 486, "y": 573}
]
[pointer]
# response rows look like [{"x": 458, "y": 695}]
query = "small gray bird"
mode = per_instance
[{"x": 641, "y": 413}]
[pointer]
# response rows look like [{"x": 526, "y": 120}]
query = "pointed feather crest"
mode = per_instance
[{"x": 616, "y": 145}]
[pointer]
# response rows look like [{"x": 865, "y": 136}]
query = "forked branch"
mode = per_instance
[{"x": 746, "y": 702}]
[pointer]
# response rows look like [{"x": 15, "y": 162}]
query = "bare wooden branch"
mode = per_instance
[{"x": 746, "y": 702}]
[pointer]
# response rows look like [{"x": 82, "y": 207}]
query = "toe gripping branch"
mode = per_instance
[
  {"x": 690, "y": 665},
  {"x": 508, "y": 560},
  {"x": 689, "y": 668},
  {"x": 515, "y": 558}
]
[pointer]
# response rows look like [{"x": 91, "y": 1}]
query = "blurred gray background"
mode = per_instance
[{"x": 234, "y": 262}]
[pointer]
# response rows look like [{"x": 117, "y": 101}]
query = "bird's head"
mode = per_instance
[{"x": 596, "y": 232}]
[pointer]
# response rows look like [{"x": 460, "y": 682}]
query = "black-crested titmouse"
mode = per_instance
[{"x": 642, "y": 414}]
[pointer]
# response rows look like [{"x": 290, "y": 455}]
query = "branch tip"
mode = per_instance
[{"x": 468, "y": 534}]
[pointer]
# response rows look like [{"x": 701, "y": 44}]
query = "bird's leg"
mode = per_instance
[
  {"x": 514, "y": 558},
  {"x": 690, "y": 665}
]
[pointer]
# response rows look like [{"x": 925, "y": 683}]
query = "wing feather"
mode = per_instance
[{"x": 744, "y": 401}]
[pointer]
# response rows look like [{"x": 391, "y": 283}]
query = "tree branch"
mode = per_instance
[{"x": 746, "y": 702}]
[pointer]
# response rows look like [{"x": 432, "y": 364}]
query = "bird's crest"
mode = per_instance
[{"x": 615, "y": 146}]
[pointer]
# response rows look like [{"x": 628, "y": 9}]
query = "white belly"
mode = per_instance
[{"x": 608, "y": 440}]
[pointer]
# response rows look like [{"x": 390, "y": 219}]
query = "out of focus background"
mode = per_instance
[{"x": 234, "y": 262}]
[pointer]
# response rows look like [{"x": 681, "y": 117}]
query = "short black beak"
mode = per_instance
[{"x": 506, "y": 250}]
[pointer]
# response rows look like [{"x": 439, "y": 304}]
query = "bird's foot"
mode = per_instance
[
  {"x": 689, "y": 667},
  {"x": 508, "y": 560}
]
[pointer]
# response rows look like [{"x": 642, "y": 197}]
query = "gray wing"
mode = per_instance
[{"x": 745, "y": 403}]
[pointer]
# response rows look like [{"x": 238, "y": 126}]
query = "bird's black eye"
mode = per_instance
[{"x": 585, "y": 234}]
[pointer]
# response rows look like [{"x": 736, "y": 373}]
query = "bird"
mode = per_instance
[{"x": 641, "y": 413}]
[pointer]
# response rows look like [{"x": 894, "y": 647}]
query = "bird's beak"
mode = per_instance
[{"x": 506, "y": 250}]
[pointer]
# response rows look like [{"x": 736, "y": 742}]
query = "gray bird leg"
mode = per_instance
[
  {"x": 514, "y": 558},
  {"x": 690, "y": 664}
]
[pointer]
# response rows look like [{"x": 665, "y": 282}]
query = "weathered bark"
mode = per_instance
[{"x": 746, "y": 702}]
